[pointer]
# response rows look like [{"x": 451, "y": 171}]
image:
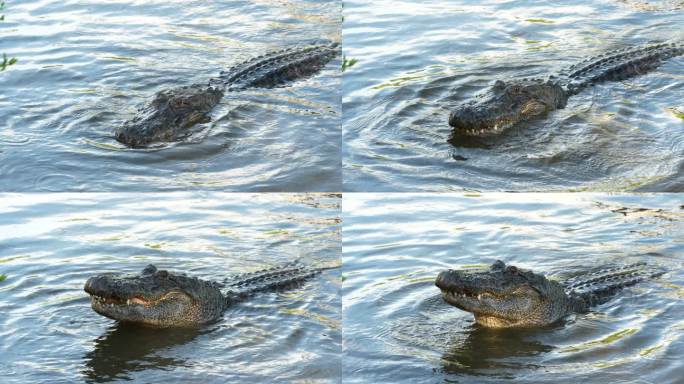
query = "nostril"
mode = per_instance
[{"x": 455, "y": 120}]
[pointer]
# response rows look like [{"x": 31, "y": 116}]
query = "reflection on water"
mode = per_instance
[
  {"x": 417, "y": 61},
  {"x": 493, "y": 352},
  {"x": 398, "y": 329},
  {"x": 126, "y": 348},
  {"x": 84, "y": 68},
  {"x": 50, "y": 244}
]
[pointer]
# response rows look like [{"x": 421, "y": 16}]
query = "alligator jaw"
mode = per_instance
[
  {"x": 504, "y": 296},
  {"x": 169, "y": 116},
  {"x": 101, "y": 301},
  {"x": 475, "y": 296},
  {"x": 156, "y": 298},
  {"x": 506, "y": 104}
]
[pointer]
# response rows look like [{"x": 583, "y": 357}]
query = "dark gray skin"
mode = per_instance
[
  {"x": 172, "y": 112},
  {"x": 507, "y": 296},
  {"x": 508, "y": 103},
  {"x": 163, "y": 299}
]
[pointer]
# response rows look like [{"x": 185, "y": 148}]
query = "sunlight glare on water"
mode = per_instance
[
  {"x": 52, "y": 243},
  {"x": 415, "y": 62},
  {"x": 398, "y": 329},
  {"x": 85, "y": 67}
]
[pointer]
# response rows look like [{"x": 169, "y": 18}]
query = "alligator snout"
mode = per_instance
[
  {"x": 446, "y": 279},
  {"x": 468, "y": 120},
  {"x": 98, "y": 286},
  {"x": 459, "y": 119}
]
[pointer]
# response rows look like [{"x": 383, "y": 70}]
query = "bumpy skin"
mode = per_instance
[
  {"x": 508, "y": 103},
  {"x": 172, "y": 112},
  {"x": 506, "y": 296},
  {"x": 163, "y": 299}
]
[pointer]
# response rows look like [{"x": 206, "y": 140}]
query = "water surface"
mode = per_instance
[
  {"x": 51, "y": 243},
  {"x": 85, "y": 67},
  {"x": 397, "y": 329},
  {"x": 416, "y": 61}
]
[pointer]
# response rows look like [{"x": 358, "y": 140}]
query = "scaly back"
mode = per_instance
[
  {"x": 272, "y": 279},
  {"x": 599, "y": 286},
  {"x": 617, "y": 65},
  {"x": 276, "y": 68}
]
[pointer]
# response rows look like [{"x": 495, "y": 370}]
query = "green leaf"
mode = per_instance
[
  {"x": 3, "y": 277},
  {"x": 348, "y": 63}
]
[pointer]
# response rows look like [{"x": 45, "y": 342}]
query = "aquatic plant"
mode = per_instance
[
  {"x": 6, "y": 62},
  {"x": 348, "y": 63}
]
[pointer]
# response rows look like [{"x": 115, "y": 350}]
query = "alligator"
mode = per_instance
[
  {"x": 508, "y": 103},
  {"x": 507, "y": 296},
  {"x": 161, "y": 298},
  {"x": 172, "y": 112}
]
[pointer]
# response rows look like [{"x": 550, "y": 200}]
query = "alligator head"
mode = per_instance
[
  {"x": 506, "y": 104},
  {"x": 170, "y": 114},
  {"x": 504, "y": 296},
  {"x": 156, "y": 297}
]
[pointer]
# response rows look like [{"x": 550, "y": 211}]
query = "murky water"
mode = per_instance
[
  {"x": 84, "y": 68},
  {"x": 417, "y": 60},
  {"x": 51, "y": 243},
  {"x": 398, "y": 329}
]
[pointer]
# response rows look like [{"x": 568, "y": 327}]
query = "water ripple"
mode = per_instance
[
  {"x": 416, "y": 62},
  {"x": 397, "y": 328},
  {"x": 84, "y": 67}
]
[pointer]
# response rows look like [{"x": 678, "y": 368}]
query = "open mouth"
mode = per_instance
[
  {"x": 111, "y": 301},
  {"x": 463, "y": 292}
]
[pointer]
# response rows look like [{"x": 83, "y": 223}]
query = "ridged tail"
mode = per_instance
[
  {"x": 271, "y": 279},
  {"x": 597, "y": 287},
  {"x": 276, "y": 68},
  {"x": 618, "y": 65}
]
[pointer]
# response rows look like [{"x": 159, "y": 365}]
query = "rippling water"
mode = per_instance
[
  {"x": 398, "y": 329},
  {"x": 85, "y": 66},
  {"x": 51, "y": 243},
  {"x": 417, "y": 60}
]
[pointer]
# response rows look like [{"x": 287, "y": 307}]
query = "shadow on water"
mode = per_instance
[
  {"x": 127, "y": 348},
  {"x": 459, "y": 140},
  {"x": 480, "y": 351}
]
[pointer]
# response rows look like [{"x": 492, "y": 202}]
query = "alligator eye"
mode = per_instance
[
  {"x": 163, "y": 274},
  {"x": 512, "y": 269},
  {"x": 498, "y": 265},
  {"x": 150, "y": 269}
]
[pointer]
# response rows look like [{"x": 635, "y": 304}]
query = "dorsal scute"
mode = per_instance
[
  {"x": 606, "y": 280},
  {"x": 618, "y": 65},
  {"x": 274, "y": 278},
  {"x": 274, "y": 68}
]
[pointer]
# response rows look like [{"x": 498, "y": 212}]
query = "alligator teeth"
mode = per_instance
[{"x": 128, "y": 301}]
